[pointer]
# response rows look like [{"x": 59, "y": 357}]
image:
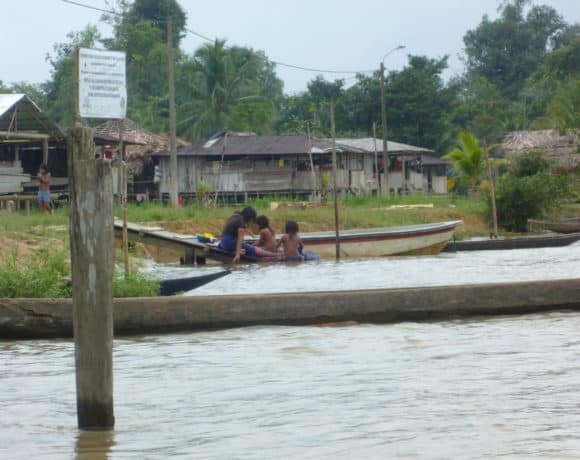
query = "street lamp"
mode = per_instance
[{"x": 384, "y": 120}]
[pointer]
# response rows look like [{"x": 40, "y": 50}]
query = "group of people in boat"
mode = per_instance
[{"x": 288, "y": 248}]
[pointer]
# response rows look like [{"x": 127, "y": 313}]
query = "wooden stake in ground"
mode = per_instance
[
  {"x": 92, "y": 264},
  {"x": 122, "y": 185},
  {"x": 491, "y": 189},
  {"x": 125, "y": 229},
  {"x": 334, "y": 179},
  {"x": 314, "y": 189}
]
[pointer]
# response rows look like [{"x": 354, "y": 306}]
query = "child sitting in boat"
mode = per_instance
[
  {"x": 232, "y": 239},
  {"x": 267, "y": 238},
  {"x": 291, "y": 243}
]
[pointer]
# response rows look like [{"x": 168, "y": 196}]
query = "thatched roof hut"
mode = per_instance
[
  {"x": 142, "y": 142},
  {"x": 563, "y": 148}
]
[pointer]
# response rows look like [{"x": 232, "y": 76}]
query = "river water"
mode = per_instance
[{"x": 466, "y": 389}]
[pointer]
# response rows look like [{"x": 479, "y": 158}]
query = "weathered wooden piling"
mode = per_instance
[{"x": 92, "y": 264}]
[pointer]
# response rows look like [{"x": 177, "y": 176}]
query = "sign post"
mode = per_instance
[
  {"x": 100, "y": 92},
  {"x": 102, "y": 84}
]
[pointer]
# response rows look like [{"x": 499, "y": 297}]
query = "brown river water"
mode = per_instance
[{"x": 467, "y": 389}]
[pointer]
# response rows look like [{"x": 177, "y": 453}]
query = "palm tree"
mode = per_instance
[
  {"x": 223, "y": 92},
  {"x": 468, "y": 160}
]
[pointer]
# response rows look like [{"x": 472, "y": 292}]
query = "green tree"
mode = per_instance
[
  {"x": 226, "y": 88},
  {"x": 468, "y": 160},
  {"x": 140, "y": 30},
  {"x": 508, "y": 50},
  {"x": 551, "y": 92},
  {"x": 479, "y": 108},
  {"x": 155, "y": 12},
  {"x": 419, "y": 103},
  {"x": 564, "y": 108},
  {"x": 321, "y": 93},
  {"x": 59, "y": 90},
  {"x": 297, "y": 116}
]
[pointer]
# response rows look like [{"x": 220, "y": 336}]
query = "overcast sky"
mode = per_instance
[{"x": 321, "y": 34}]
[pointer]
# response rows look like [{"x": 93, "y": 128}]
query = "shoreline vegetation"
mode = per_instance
[{"x": 34, "y": 252}]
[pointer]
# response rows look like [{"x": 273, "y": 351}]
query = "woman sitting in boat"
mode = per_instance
[
  {"x": 233, "y": 236},
  {"x": 267, "y": 238}
]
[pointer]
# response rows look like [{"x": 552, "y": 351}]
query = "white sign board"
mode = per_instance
[{"x": 102, "y": 84}]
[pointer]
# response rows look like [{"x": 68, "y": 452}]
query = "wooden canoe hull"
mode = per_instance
[
  {"x": 408, "y": 240},
  {"x": 173, "y": 286},
  {"x": 43, "y": 318},
  {"x": 563, "y": 226},
  {"x": 524, "y": 242}
]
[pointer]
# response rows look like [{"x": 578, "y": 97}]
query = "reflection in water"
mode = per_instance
[{"x": 94, "y": 445}]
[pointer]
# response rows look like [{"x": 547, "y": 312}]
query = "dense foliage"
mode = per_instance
[
  {"x": 522, "y": 71},
  {"x": 527, "y": 191}
]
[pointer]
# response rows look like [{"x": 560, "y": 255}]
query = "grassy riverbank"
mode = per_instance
[{"x": 24, "y": 236}]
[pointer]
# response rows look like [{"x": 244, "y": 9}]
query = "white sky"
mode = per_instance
[{"x": 323, "y": 34}]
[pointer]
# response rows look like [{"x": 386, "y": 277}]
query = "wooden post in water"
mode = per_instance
[
  {"x": 334, "y": 176},
  {"x": 92, "y": 263}
]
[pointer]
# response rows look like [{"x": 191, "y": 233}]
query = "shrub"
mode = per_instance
[
  {"x": 136, "y": 284},
  {"x": 521, "y": 198},
  {"x": 43, "y": 276},
  {"x": 528, "y": 191},
  {"x": 531, "y": 164},
  {"x": 48, "y": 276}
]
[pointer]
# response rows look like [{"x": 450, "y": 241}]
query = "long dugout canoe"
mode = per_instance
[
  {"x": 523, "y": 242},
  {"x": 43, "y": 318}
]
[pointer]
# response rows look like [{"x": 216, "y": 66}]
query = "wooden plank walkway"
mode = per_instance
[{"x": 194, "y": 251}]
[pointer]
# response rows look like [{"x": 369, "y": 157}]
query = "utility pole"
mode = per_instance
[
  {"x": 334, "y": 180},
  {"x": 384, "y": 122},
  {"x": 174, "y": 185},
  {"x": 385, "y": 183}
]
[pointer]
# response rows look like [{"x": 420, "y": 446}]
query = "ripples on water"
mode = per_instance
[
  {"x": 462, "y": 389},
  {"x": 477, "y": 389},
  {"x": 468, "y": 267}
]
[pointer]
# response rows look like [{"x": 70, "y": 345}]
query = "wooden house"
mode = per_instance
[
  {"x": 237, "y": 165},
  {"x": 421, "y": 172},
  {"x": 28, "y": 139}
]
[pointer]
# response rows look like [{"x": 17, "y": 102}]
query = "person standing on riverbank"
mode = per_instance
[{"x": 44, "y": 189}]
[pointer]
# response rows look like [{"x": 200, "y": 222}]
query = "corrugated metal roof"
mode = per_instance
[
  {"x": 368, "y": 144},
  {"x": 249, "y": 144},
  {"x": 19, "y": 113}
]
